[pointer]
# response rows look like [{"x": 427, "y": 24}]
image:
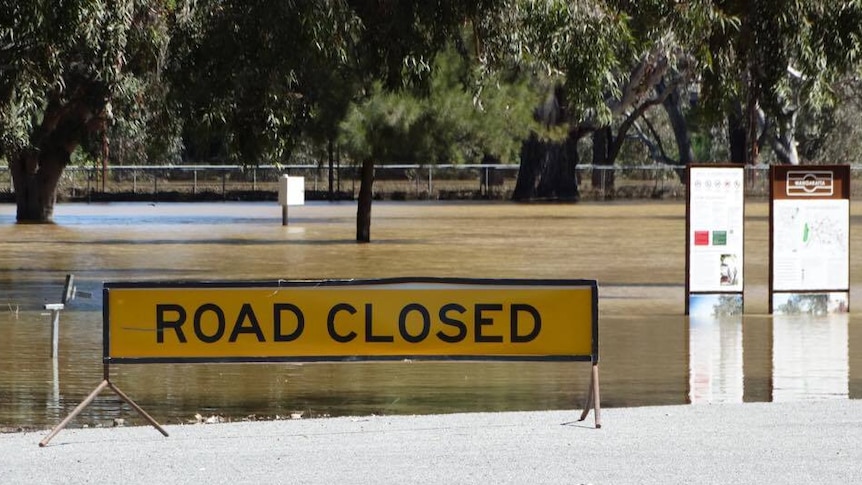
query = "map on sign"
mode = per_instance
[{"x": 814, "y": 247}]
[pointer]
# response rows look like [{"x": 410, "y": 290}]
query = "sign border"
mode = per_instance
[{"x": 591, "y": 284}]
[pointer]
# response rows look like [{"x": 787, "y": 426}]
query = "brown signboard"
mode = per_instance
[
  {"x": 810, "y": 182},
  {"x": 809, "y": 239}
]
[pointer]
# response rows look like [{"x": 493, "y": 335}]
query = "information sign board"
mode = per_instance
[
  {"x": 809, "y": 223},
  {"x": 715, "y": 223}
]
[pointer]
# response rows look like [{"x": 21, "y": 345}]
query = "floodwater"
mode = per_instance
[{"x": 651, "y": 354}]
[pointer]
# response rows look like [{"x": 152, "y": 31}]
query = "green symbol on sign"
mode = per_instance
[
  {"x": 805, "y": 233},
  {"x": 719, "y": 238}
]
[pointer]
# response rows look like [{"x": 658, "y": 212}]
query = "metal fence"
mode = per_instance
[{"x": 394, "y": 182}]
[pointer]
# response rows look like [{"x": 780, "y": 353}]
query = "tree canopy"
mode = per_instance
[{"x": 430, "y": 82}]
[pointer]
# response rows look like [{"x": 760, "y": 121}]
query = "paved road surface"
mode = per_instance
[{"x": 814, "y": 442}]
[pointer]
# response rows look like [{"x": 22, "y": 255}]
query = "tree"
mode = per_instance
[
  {"x": 261, "y": 74},
  {"x": 64, "y": 67},
  {"x": 267, "y": 72},
  {"x": 463, "y": 115},
  {"x": 396, "y": 46},
  {"x": 614, "y": 60},
  {"x": 767, "y": 61}
]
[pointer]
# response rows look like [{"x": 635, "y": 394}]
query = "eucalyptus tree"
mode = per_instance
[
  {"x": 780, "y": 59},
  {"x": 264, "y": 73},
  {"x": 65, "y": 65},
  {"x": 613, "y": 61},
  {"x": 395, "y": 49},
  {"x": 464, "y": 114},
  {"x": 255, "y": 75}
]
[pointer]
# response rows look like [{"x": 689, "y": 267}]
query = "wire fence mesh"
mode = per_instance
[{"x": 392, "y": 182}]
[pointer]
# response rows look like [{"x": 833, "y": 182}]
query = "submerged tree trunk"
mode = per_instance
[
  {"x": 35, "y": 177},
  {"x": 69, "y": 118},
  {"x": 363, "y": 206},
  {"x": 547, "y": 170}
]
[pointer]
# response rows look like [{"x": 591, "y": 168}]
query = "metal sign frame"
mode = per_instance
[
  {"x": 417, "y": 284},
  {"x": 808, "y": 186},
  {"x": 689, "y": 236}
]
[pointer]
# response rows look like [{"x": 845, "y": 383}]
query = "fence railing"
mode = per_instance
[{"x": 232, "y": 182}]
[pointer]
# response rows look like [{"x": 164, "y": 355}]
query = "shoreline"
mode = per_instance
[{"x": 793, "y": 442}]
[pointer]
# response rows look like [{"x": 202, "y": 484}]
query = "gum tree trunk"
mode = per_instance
[
  {"x": 69, "y": 118},
  {"x": 547, "y": 171},
  {"x": 736, "y": 136},
  {"x": 603, "y": 178},
  {"x": 363, "y": 206},
  {"x": 35, "y": 177}
]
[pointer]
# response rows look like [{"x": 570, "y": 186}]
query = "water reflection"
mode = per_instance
[
  {"x": 650, "y": 353},
  {"x": 810, "y": 359},
  {"x": 716, "y": 363}
]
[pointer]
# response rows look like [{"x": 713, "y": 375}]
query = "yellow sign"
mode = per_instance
[{"x": 328, "y": 320}]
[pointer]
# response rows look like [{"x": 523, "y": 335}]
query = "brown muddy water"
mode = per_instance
[{"x": 651, "y": 354}]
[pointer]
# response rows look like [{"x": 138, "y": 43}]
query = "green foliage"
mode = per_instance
[
  {"x": 257, "y": 73},
  {"x": 460, "y": 118},
  {"x": 443, "y": 81},
  {"x": 584, "y": 45},
  {"x": 77, "y": 56},
  {"x": 772, "y": 51}
]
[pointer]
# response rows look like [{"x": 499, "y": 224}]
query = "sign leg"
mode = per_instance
[
  {"x": 137, "y": 408},
  {"x": 597, "y": 402},
  {"x": 588, "y": 402},
  {"x": 86, "y": 402},
  {"x": 593, "y": 400}
]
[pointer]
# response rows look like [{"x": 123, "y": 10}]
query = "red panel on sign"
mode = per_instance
[{"x": 701, "y": 238}]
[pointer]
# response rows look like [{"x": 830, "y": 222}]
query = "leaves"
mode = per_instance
[
  {"x": 448, "y": 80},
  {"x": 461, "y": 118}
]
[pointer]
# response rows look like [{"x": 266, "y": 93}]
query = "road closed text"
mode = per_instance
[
  {"x": 255, "y": 323},
  {"x": 489, "y": 322}
]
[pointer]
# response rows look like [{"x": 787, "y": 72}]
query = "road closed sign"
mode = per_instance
[{"x": 330, "y": 320}]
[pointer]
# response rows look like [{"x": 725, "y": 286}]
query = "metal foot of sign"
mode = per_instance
[
  {"x": 593, "y": 398},
  {"x": 86, "y": 402}
]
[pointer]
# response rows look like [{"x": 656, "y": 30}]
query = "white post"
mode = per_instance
[
  {"x": 291, "y": 191},
  {"x": 55, "y": 327}
]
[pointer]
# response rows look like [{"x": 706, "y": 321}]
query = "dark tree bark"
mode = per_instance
[
  {"x": 330, "y": 150},
  {"x": 65, "y": 125},
  {"x": 737, "y": 134},
  {"x": 35, "y": 177},
  {"x": 673, "y": 104},
  {"x": 548, "y": 170},
  {"x": 363, "y": 206},
  {"x": 603, "y": 179}
]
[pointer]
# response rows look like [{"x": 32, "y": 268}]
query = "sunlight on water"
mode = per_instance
[{"x": 650, "y": 353}]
